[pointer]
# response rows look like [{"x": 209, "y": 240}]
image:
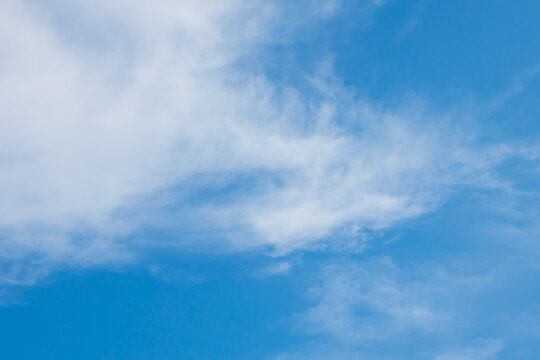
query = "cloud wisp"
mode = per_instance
[{"x": 116, "y": 114}]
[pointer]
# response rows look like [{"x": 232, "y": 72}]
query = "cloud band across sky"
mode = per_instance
[{"x": 106, "y": 105}]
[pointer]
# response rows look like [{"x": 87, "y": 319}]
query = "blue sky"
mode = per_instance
[{"x": 233, "y": 179}]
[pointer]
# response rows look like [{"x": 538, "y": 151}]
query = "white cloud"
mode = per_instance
[
  {"x": 108, "y": 104},
  {"x": 370, "y": 301},
  {"x": 366, "y": 309},
  {"x": 277, "y": 269},
  {"x": 485, "y": 350}
]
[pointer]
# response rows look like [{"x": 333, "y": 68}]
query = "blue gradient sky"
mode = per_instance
[{"x": 270, "y": 180}]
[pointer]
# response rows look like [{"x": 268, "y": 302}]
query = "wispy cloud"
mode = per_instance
[
  {"x": 361, "y": 302},
  {"x": 277, "y": 269},
  {"x": 357, "y": 306},
  {"x": 518, "y": 85},
  {"x": 116, "y": 114},
  {"x": 485, "y": 350}
]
